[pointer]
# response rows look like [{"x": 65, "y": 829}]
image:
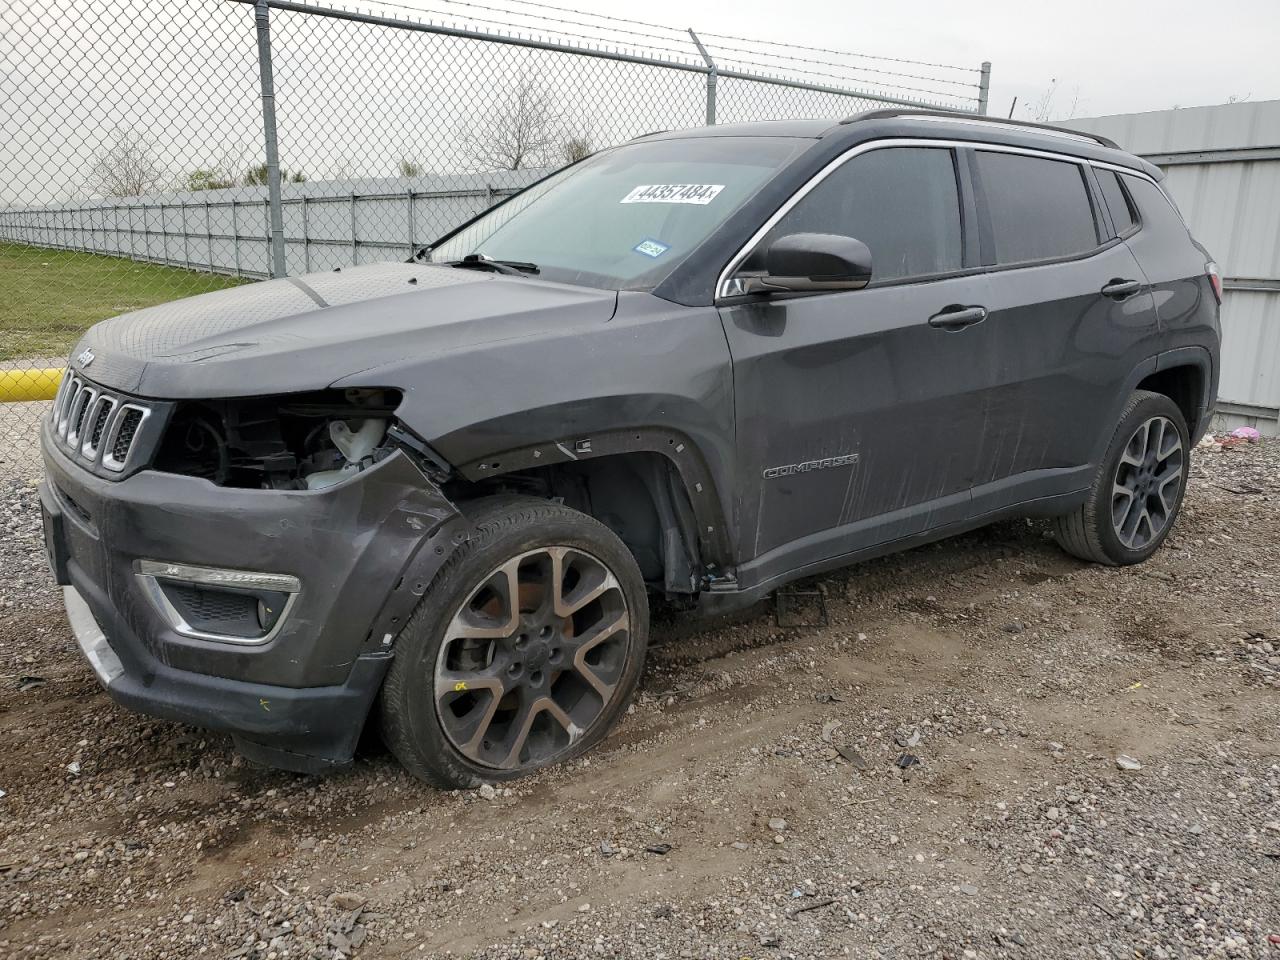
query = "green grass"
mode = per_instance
[{"x": 48, "y": 298}]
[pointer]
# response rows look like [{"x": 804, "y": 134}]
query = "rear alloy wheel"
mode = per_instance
[
  {"x": 1138, "y": 488},
  {"x": 1147, "y": 485},
  {"x": 524, "y": 652}
]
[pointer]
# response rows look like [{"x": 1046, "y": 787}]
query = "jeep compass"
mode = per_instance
[{"x": 438, "y": 496}]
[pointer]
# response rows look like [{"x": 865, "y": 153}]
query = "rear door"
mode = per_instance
[
  {"x": 1070, "y": 315},
  {"x": 1172, "y": 259},
  {"x": 858, "y": 419}
]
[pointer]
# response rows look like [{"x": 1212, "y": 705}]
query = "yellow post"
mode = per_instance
[{"x": 21, "y": 386}]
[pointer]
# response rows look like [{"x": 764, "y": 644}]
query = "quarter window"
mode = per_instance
[
  {"x": 902, "y": 202},
  {"x": 1156, "y": 208},
  {"x": 1117, "y": 203},
  {"x": 1039, "y": 208}
]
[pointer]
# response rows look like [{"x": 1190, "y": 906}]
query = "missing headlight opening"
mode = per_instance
[{"x": 288, "y": 442}]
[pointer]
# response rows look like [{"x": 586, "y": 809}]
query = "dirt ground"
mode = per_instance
[{"x": 931, "y": 773}]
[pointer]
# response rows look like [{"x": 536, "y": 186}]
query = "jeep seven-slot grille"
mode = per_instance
[{"x": 95, "y": 426}]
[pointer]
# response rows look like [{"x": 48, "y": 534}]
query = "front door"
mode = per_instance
[{"x": 860, "y": 413}]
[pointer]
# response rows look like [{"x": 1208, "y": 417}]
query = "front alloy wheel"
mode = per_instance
[
  {"x": 532, "y": 658},
  {"x": 524, "y": 651}
]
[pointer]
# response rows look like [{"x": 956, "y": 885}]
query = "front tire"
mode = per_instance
[
  {"x": 1138, "y": 489},
  {"x": 524, "y": 652}
]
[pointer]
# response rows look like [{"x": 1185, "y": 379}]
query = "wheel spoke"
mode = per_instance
[
  {"x": 530, "y": 709},
  {"x": 522, "y": 723},
  {"x": 1120, "y": 490},
  {"x": 468, "y": 730},
  {"x": 1135, "y": 450},
  {"x": 476, "y": 624},
  {"x": 1128, "y": 527},
  {"x": 588, "y": 643},
  {"x": 1155, "y": 437},
  {"x": 1167, "y": 487},
  {"x": 1144, "y": 520},
  {"x": 594, "y": 583}
]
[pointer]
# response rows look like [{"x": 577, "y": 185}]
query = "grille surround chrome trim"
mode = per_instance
[
  {"x": 108, "y": 446},
  {"x": 73, "y": 420},
  {"x": 88, "y": 449},
  {"x": 79, "y": 414}
]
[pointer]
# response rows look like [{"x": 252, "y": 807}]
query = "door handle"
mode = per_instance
[
  {"x": 958, "y": 317},
  {"x": 1119, "y": 289}
]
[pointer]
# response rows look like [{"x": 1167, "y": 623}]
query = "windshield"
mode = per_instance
[{"x": 625, "y": 218}]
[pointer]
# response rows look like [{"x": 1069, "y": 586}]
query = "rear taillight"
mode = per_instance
[{"x": 1215, "y": 280}]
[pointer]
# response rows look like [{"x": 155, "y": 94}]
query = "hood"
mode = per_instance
[{"x": 304, "y": 333}]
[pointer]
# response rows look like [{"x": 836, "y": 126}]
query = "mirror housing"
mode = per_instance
[{"x": 812, "y": 262}]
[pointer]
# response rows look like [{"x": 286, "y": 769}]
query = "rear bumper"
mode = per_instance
[{"x": 363, "y": 551}]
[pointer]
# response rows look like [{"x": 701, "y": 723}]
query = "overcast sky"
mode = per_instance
[
  {"x": 358, "y": 100},
  {"x": 1121, "y": 55}
]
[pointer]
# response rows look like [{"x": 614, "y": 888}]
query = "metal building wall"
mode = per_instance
[{"x": 1222, "y": 167}]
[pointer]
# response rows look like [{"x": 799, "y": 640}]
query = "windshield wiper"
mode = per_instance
[{"x": 510, "y": 268}]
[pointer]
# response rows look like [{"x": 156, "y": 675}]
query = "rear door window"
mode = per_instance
[
  {"x": 1039, "y": 208},
  {"x": 1117, "y": 203},
  {"x": 902, "y": 202}
]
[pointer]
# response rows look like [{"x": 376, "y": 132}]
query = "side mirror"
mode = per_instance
[{"x": 811, "y": 262}]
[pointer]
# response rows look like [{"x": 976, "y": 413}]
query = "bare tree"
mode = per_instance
[
  {"x": 127, "y": 166},
  {"x": 577, "y": 147},
  {"x": 522, "y": 131},
  {"x": 1042, "y": 109}
]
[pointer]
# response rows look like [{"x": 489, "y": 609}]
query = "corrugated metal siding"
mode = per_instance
[
  {"x": 1226, "y": 126},
  {"x": 1233, "y": 208},
  {"x": 1251, "y": 349}
]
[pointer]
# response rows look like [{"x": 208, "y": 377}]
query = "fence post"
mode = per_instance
[
  {"x": 984, "y": 87},
  {"x": 262, "y": 17},
  {"x": 711, "y": 79}
]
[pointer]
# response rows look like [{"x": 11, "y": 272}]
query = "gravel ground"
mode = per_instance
[{"x": 990, "y": 750}]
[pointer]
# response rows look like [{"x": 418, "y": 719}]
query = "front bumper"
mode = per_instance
[{"x": 364, "y": 551}]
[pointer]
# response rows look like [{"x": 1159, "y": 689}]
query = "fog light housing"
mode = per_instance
[{"x": 217, "y": 604}]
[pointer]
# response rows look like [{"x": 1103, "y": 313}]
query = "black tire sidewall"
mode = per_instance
[
  {"x": 1149, "y": 406},
  {"x": 411, "y": 725}
]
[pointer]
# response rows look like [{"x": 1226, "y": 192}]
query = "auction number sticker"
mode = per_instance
[{"x": 699, "y": 193}]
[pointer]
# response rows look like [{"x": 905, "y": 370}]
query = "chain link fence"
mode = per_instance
[{"x": 155, "y": 151}]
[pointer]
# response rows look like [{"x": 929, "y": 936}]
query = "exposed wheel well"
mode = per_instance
[
  {"x": 639, "y": 496},
  {"x": 1184, "y": 385}
]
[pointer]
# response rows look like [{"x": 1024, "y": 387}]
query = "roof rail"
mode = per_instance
[{"x": 957, "y": 117}]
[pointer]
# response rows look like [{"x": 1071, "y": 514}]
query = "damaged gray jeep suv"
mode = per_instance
[{"x": 439, "y": 494}]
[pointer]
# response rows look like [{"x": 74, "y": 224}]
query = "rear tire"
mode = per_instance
[
  {"x": 524, "y": 652},
  {"x": 1137, "y": 491}
]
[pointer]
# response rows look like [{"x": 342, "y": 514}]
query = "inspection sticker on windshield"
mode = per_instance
[
  {"x": 651, "y": 248},
  {"x": 699, "y": 193}
]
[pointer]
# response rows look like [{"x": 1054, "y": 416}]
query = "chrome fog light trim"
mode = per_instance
[{"x": 151, "y": 572}]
